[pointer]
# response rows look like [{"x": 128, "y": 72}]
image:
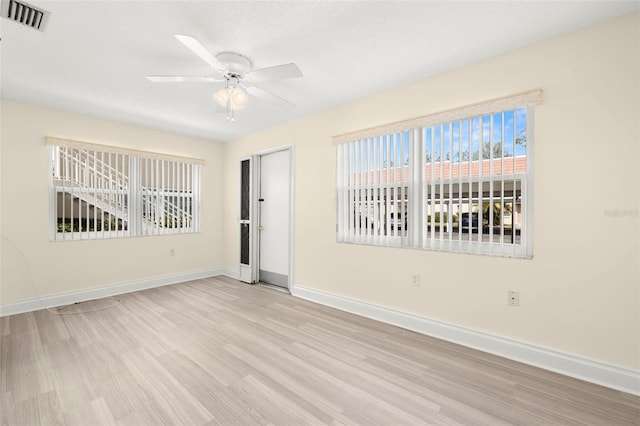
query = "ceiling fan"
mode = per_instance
[{"x": 235, "y": 70}]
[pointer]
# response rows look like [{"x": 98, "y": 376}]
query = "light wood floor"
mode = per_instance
[{"x": 215, "y": 351}]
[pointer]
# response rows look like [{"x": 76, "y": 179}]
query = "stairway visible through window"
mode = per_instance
[{"x": 99, "y": 192}]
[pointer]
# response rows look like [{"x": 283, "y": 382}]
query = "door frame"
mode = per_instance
[
  {"x": 254, "y": 243},
  {"x": 248, "y": 272}
]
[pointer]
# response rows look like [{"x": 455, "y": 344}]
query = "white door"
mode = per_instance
[{"x": 274, "y": 202}]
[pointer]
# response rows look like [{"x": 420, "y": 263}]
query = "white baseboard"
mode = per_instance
[
  {"x": 569, "y": 365},
  {"x": 231, "y": 273},
  {"x": 67, "y": 298}
]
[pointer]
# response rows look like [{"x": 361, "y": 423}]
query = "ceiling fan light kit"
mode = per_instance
[
  {"x": 232, "y": 97},
  {"x": 232, "y": 69}
]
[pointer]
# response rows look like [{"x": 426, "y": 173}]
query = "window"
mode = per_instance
[
  {"x": 458, "y": 181},
  {"x": 105, "y": 192}
]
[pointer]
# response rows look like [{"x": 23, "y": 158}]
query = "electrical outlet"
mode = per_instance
[
  {"x": 172, "y": 252},
  {"x": 513, "y": 298},
  {"x": 415, "y": 280}
]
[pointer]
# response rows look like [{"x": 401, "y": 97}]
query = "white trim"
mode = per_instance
[
  {"x": 528, "y": 220},
  {"x": 531, "y": 97},
  {"x": 43, "y": 302},
  {"x": 254, "y": 228},
  {"x": 228, "y": 272},
  {"x": 600, "y": 373},
  {"x": 49, "y": 140},
  {"x": 291, "y": 213},
  {"x": 274, "y": 149}
]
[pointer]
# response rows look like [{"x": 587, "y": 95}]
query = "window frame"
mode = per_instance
[
  {"x": 516, "y": 186},
  {"x": 117, "y": 192}
]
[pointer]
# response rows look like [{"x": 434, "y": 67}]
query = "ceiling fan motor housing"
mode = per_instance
[{"x": 236, "y": 63}]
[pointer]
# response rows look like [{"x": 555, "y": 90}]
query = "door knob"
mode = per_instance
[{"x": 260, "y": 228}]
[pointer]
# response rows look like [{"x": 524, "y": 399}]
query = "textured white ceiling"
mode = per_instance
[{"x": 93, "y": 56}]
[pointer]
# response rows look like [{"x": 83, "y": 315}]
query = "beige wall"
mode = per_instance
[
  {"x": 57, "y": 267},
  {"x": 580, "y": 293}
]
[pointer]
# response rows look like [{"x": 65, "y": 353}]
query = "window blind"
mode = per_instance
[
  {"x": 98, "y": 191},
  {"x": 530, "y": 97},
  {"x": 461, "y": 185}
]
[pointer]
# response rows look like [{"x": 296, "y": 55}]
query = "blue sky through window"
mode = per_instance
[
  {"x": 454, "y": 141},
  {"x": 460, "y": 140}
]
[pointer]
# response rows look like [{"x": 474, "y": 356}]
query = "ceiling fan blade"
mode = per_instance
[
  {"x": 182, "y": 79},
  {"x": 270, "y": 97},
  {"x": 196, "y": 47},
  {"x": 278, "y": 72}
]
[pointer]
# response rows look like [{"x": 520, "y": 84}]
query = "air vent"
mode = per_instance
[{"x": 23, "y": 13}]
